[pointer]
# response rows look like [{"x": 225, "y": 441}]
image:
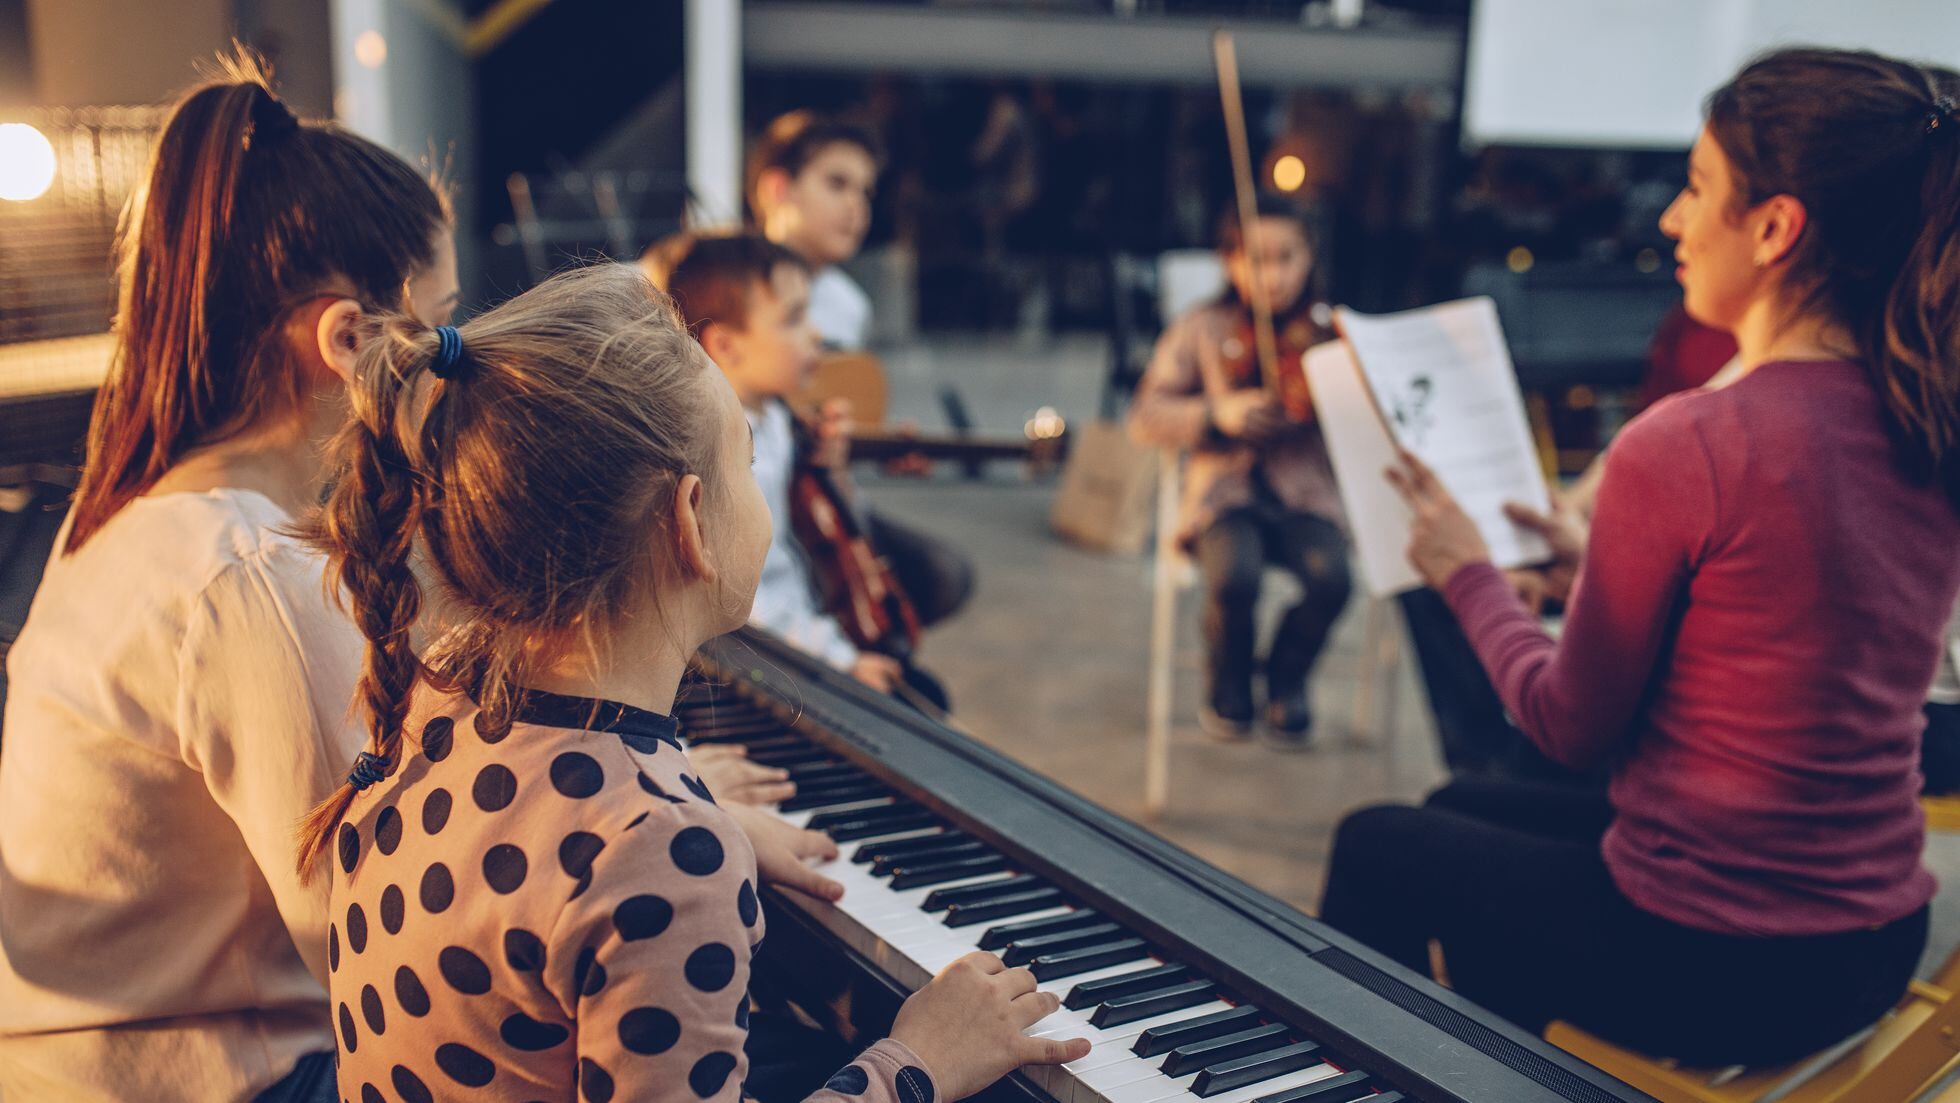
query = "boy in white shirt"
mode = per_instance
[{"x": 747, "y": 301}]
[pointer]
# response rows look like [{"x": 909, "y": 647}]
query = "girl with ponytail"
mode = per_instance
[
  {"x": 533, "y": 894},
  {"x": 1758, "y": 613},
  {"x": 178, "y": 696}
]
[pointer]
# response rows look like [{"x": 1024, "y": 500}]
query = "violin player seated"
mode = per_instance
[
  {"x": 1259, "y": 487},
  {"x": 747, "y": 301}
]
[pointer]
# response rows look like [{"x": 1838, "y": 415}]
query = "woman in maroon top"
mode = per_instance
[{"x": 1756, "y": 618}]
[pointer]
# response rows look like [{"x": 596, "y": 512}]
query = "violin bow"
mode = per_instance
[{"x": 1225, "y": 54}]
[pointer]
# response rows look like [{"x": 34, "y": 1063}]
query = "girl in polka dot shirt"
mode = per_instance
[{"x": 534, "y": 897}]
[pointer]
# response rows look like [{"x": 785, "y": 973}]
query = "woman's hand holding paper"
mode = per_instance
[
  {"x": 1565, "y": 530},
  {"x": 1442, "y": 538}
]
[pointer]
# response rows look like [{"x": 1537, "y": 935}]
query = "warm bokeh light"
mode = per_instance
[
  {"x": 1046, "y": 424},
  {"x": 1289, "y": 172},
  {"x": 1519, "y": 260},
  {"x": 26, "y": 162},
  {"x": 370, "y": 49}
]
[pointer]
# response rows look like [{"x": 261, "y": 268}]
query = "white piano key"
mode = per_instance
[
  {"x": 1118, "y": 1073},
  {"x": 935, "y": 958},
  {"x": 1164, "y": 1089},
  {"x": 1147, "y": 1089},
  {"x": 1124, "y": 1036}
]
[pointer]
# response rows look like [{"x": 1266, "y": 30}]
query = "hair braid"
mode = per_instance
[{"x": 369, "y": 524}]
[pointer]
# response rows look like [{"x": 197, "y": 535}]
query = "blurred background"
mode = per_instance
[{"x": 1050, "y": 165}]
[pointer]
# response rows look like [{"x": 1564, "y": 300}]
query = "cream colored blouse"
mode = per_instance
[{"x": 177, "y": 700}]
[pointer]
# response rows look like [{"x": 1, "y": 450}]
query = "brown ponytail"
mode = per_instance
[
  {"x": 1871, "y": 146},
  {"x": 246, "y": 214},
  {"x": 528, "y": 483}
]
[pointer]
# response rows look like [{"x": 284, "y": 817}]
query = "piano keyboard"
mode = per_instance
[
  {"x": 1189, "y": 984},
  {"x": 920, "y": 893}
]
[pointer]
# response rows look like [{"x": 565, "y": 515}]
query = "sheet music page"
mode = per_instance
[
  {"x": 1377, "y": 518},
  {"x": 1442, "y": 380}
]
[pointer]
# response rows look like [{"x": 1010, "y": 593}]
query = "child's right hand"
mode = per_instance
[
  {"x": 880, "y": 672},
  {"x": 967, "y": 1025}
]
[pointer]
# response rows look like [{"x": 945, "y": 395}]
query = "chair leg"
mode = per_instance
[{"x": 1163, "y": 633}]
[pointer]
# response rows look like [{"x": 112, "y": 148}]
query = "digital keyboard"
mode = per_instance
[{"x": 1190, "y": 984}]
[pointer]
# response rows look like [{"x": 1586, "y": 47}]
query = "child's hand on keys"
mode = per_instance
[
  {"x": 782, "y": 853},
  {"x": 968, "y": 1025},
  {"x": 730, "y": 776}
]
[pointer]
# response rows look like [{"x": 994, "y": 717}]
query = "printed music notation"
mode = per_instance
[{"x": 1439, "y": 382}]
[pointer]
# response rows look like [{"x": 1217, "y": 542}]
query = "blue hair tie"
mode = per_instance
[
  {"x": 450, "y": 362},
  {"x": 368, "y": 769}
]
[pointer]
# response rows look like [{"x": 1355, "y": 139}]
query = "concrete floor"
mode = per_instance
[{"x": 1049, "y": 661}]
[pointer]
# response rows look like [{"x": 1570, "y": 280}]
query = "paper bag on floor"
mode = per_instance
[{"x": 1106, "y": 499}]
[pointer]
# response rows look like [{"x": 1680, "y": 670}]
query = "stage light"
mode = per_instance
[
  {"x": 1289, "y": 172},
  {"x": 26, "y": 162},
  {"x": 370, "y": 49},
  {"x": 1519, "y": 260}
]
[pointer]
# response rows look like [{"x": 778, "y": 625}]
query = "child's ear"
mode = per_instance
[
  {"x": 690, "y": 540},
  {"x": 771, "y": 186},
  {"x": 722, "y": 344}
]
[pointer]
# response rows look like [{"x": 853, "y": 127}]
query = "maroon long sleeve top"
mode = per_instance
[{"x": 1752, "y": 635}]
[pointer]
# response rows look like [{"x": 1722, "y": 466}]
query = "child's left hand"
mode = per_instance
[
  {"x": 1442, "y": 538},
  {"x": 730, "y": 776},
  {"x": 834, "y": 434}
]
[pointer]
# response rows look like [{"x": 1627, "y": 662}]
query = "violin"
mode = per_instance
[
  {"x": 1261, "y": 347},
  {"x": 854, "y": 583},
  {"x": 1293, "y": 334}
]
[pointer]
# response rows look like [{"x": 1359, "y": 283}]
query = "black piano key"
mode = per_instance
[
  {"x": 828, "y": 796},
  {"x": 941, "y": 899},
  {"x": 1190, "y": 1058},
  {"x": 1023, "y": 950},
  {"x": 919, "y": 875},
  {"x": 880, "y": 826},
  {"x": 825, "y": 773},
  {"x": 895, "y": 809},
  {"x": 1242, "y": 1071},
  {"x": 996, "y": 937},
  {"x": 1148, "y": 1005},
  {"x": 1001, "y": 907},
  {"x": 919, "y": 844},
  {"x": 1345, "y": 1088},
  {"x": 1086, "y": 959},
  {"x": 789, "y": 757},
  {"x": 1092, "y": 992},
  {"x": 952, "y": 852},
  {"x": 1162, "y": 1039},
  {"x": 708, "y": 716},
  {"x": 731, "y": 732},
  {"x": 777, "y": 743}
]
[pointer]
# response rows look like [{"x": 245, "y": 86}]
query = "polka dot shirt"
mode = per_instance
[{"x": 558, "y": 912}]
